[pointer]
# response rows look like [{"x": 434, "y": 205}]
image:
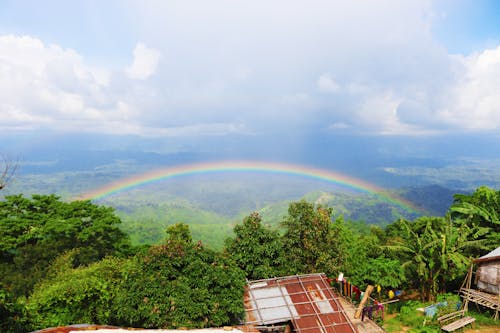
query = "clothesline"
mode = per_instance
[
  {"x": 391, "y": 301},
  {"x": 348, "y": 289}
]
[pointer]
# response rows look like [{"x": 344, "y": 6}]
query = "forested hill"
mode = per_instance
[
  {"x": 145, "y": 215},
  {"x": 211, "y": 206}
]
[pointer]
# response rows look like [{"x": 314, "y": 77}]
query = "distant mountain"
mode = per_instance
[
  {"x": 214, "y": 211},
  {"x": 433, "y": 199}
]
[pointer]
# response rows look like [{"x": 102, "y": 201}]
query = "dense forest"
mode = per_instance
[{"x": 63, "y": 262}]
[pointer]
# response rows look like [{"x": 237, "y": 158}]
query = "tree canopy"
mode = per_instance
[
  {"x": 37, "y": 230},
  {"x": 64, "y": 263},
  {"x": 257, "y": 250}
]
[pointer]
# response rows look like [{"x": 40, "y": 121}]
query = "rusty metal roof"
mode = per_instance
[{"x": 307, "y": 301}]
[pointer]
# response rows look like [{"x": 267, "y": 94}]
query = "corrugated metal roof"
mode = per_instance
[{"x": 307, "y": 301}]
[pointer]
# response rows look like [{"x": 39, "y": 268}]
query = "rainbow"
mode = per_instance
[{"x": 244, "y": 166}]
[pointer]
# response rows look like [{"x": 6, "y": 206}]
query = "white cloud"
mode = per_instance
[
  {"x": 473, "y": 100},
  {"x": 45, "y": 86},
  {"x": 145, "y": 62},
  {"x": 238, "y": 67},
  {"x": 212, "y": 129},
  {"x": 326, "y": 83}
]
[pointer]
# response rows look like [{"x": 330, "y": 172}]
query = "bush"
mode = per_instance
[
  {"x": 81, "y": 295},
  {"x": 409, "y": 316}
]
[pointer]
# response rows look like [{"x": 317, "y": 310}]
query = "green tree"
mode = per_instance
[
  {"x": 480, "y": 209},
  {"x": 257, "y": 250},
  {"x": 175, "y": 284},
  {"x": 383, "y": 271},
  {"x": 179, "y": 284},
  {"x": 308, "y": 241},
  {"x": 432, "y": 251},
  {"x": 12, "y": 314},
  {"x": 76, "y": 295},
  {"x": 179, "y": 232},
  {"x": 413, "y": 247},
  {"x": 361, "y": 258},
  {"x": 37, "y": 230}
]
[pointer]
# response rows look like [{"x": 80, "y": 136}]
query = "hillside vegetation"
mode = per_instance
[
  {"x": 68, "y": 262},
  {"x": 211, "y": 206}
]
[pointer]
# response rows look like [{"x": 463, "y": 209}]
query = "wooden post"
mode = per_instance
[
  {"x": 368, "y": 291},
  {"x": 468, "y": 286},
  {"x": 469, "y": 281}
]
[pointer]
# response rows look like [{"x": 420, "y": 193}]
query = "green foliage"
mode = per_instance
[
  {"x": 179, "y": 284},
  {"x": 35, "y": 231},
  {"x": 257, "y": 250},
  {"x": 312, "y": 242},
  {"x": 453, "y": 303},
  {"x": 484, "y": 318},
  {"x": 179, "y": 232},
  {"x": 12, "y": 314},
  {"x": 59, "y": 248},
  {"x": 412, "y": 320},
  {"x": 383, "y": 271},
  {"x": 432, "y": 251},
  {"x": 176, "y": 284},
  {"x": 480, "y": 211},
  {"x": 409, "y": 315},
  {"x": 80, "y": 295},
  {"x": 145, "y": 224},
  {"x": 308, "y": 243}
]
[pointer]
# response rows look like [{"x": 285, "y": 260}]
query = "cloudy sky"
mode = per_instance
[{"x": 199, "y": 69}]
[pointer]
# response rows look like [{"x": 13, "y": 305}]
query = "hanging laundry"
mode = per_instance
[
  {"x": 357, "y": 293},
  {"x": 380, "y": 310},
  {"x": 367, "y": 311}
]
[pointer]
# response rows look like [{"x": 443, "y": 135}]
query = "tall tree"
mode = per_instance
[
  {"x": 257, "y": 250},
  {"x": 432, "y": 251},
  {"x": 308, "y": 241},
  {"x": 414, "y": 247},
  {"x": 179, "y": 284},
  {"x": 480, "y": 209},
  {"x": 361, "y": 259}
]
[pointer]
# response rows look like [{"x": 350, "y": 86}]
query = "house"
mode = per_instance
[
  {"x": 488, "y": 272},
  {"x": 487, "y": 292}
]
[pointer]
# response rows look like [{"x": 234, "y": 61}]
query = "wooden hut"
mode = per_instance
[
  {"x": 487, "y": 281},
  {"x": 488, "y": 272}
]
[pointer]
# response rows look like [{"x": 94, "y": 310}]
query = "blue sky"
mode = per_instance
[{"x": 191, "y": 70}]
